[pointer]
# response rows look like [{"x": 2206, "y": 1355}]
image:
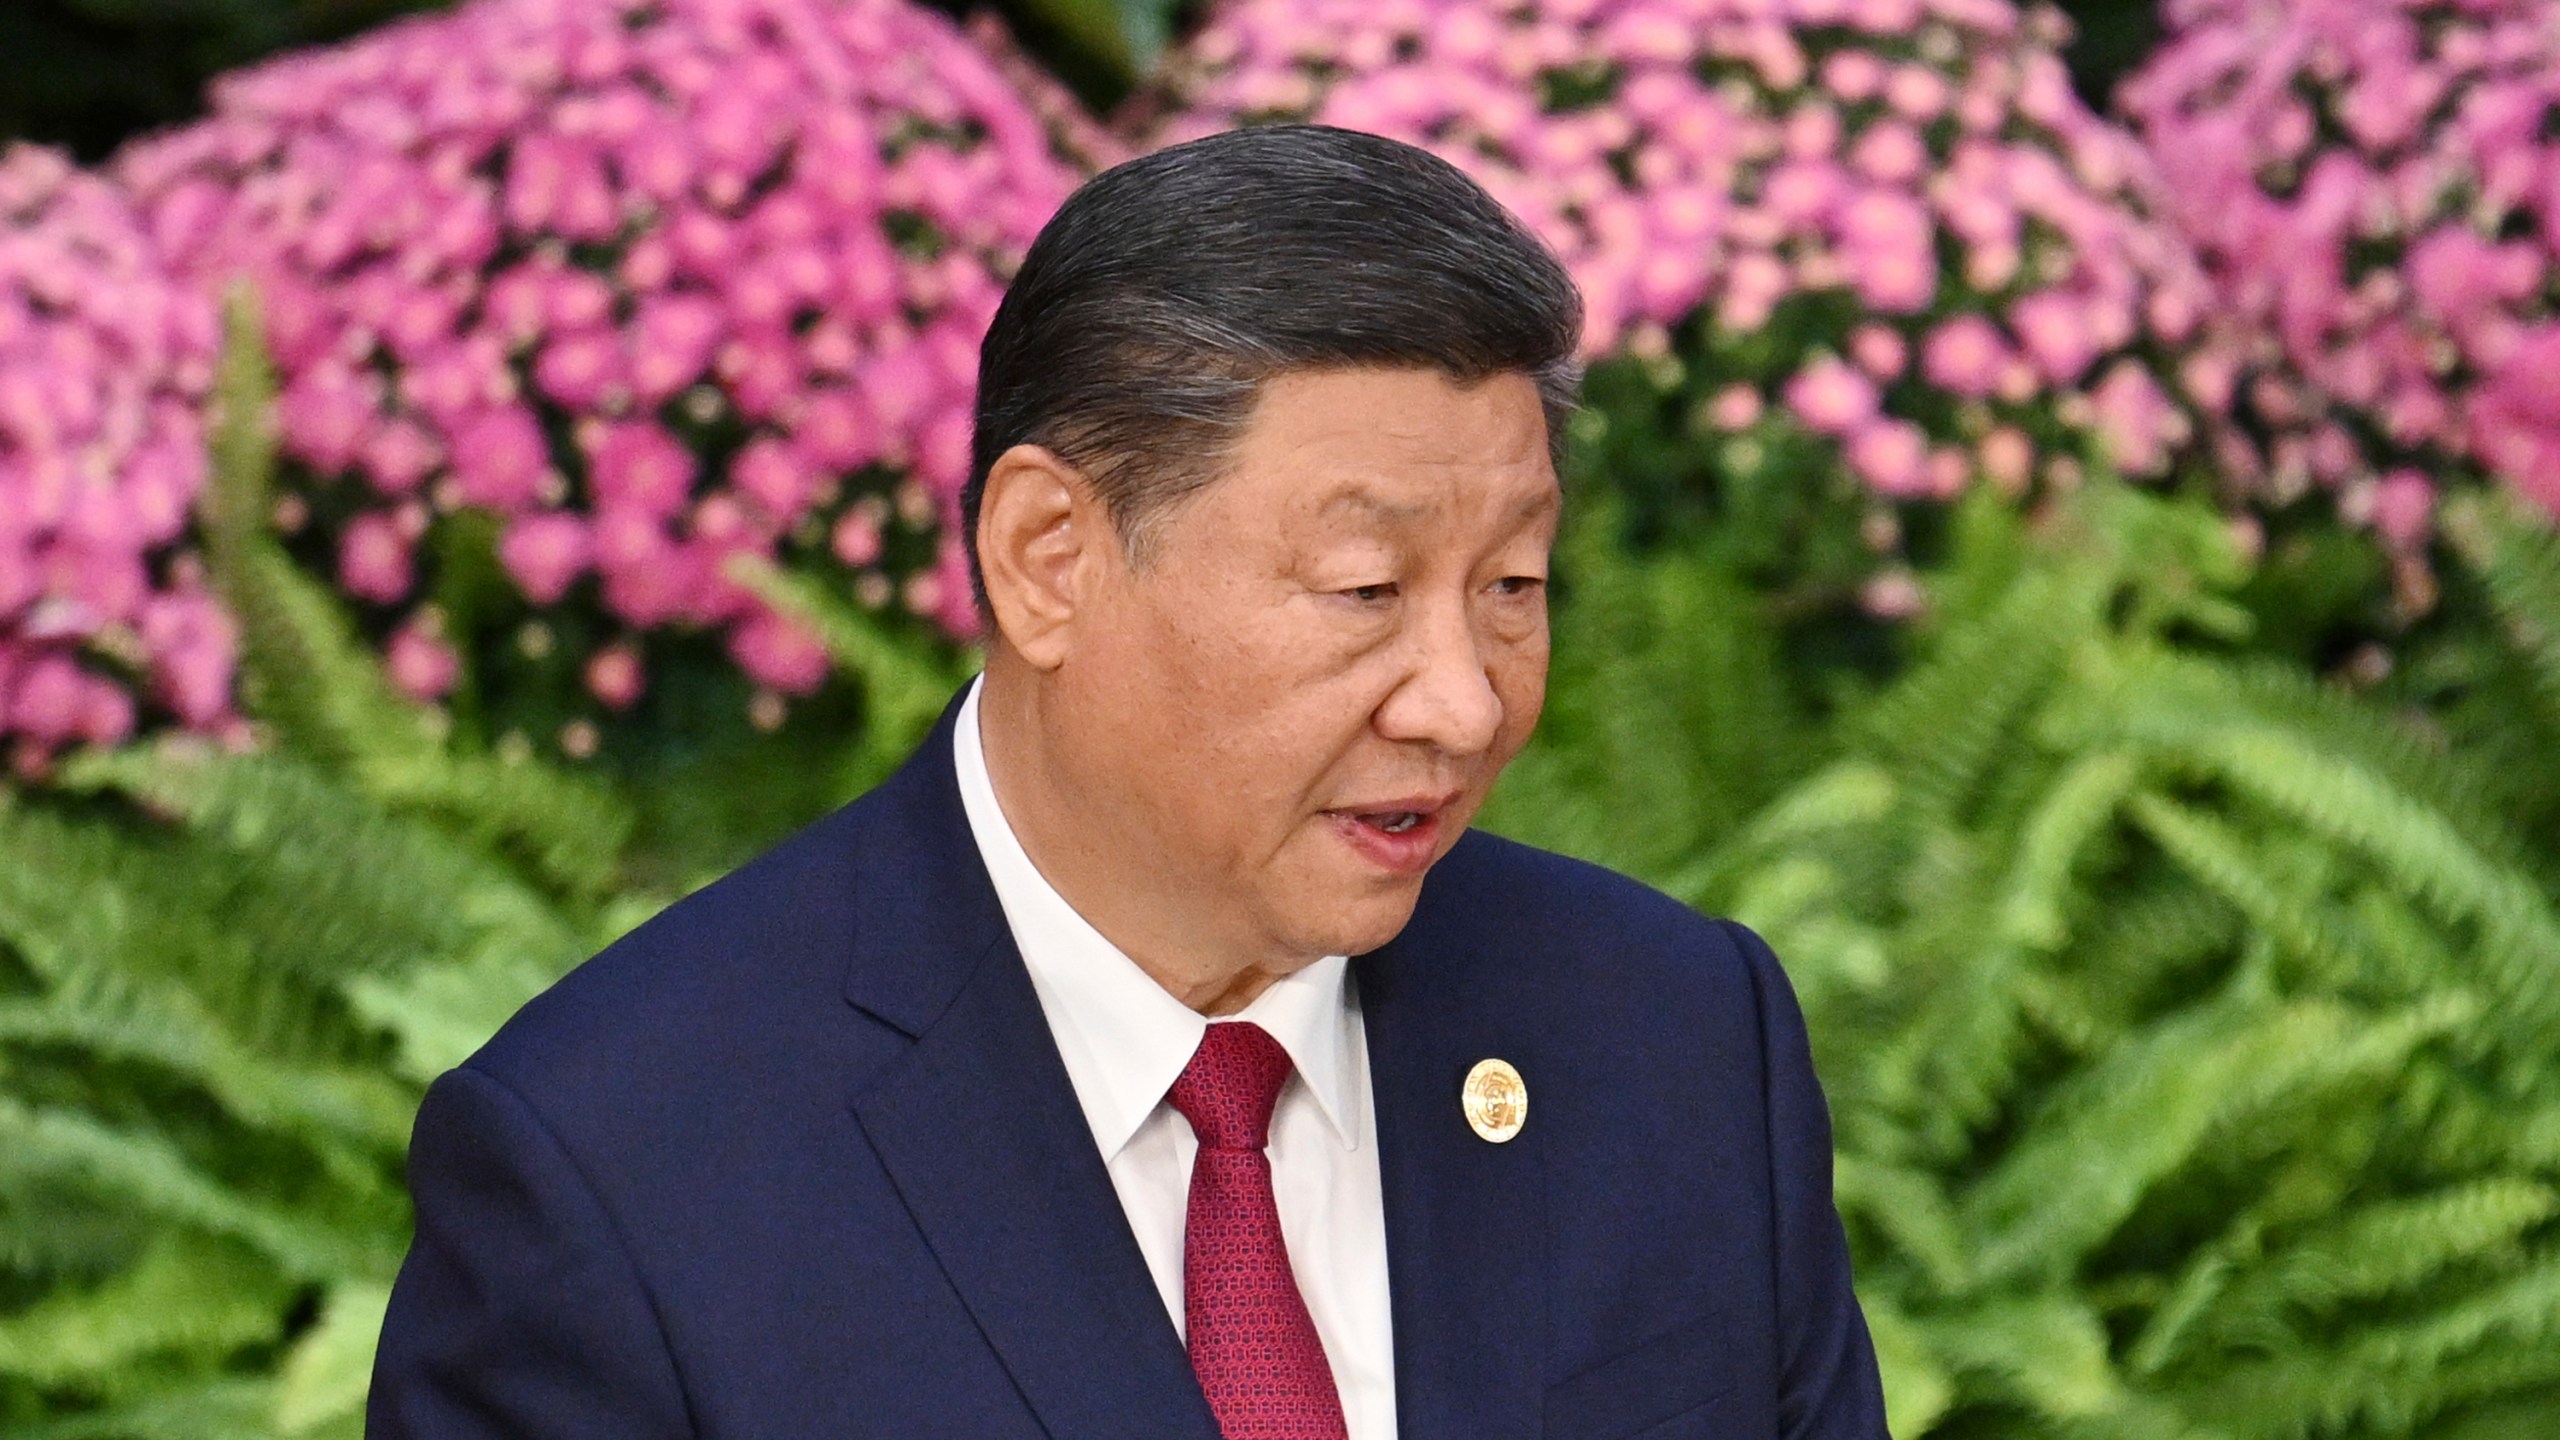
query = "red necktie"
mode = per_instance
[{"x": 1252, "y": 1342}]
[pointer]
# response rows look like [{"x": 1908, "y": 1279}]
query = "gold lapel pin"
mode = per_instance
[{"x": 1496, "y": 1100}]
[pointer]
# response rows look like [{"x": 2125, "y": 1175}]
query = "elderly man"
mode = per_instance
[{"x": 1157, "y": 1055}]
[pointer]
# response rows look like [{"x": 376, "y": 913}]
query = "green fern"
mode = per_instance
[
  {"x": 224, "y": 980},
  {"x": 2186, "y": 1020}
]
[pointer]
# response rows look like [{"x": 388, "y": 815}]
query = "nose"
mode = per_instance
[{"x": 1446, "y": 697}]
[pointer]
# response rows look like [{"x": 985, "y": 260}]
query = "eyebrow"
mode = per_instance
[
  {"x": 1393, "y": 513},
  {"x": 1386, "y": 510}
]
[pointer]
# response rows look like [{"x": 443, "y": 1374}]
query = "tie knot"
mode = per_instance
[{"x": 1228, "y": 1089}]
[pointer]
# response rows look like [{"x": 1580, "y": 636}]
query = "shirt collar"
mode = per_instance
[{"x": 1125, "y": 1038}]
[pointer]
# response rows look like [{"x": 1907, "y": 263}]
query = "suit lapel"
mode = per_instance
[
  {"x": 978, "y": 1127},
  {"x": 1466, "y": 1219}
]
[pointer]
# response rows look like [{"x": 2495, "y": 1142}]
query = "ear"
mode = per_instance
[{"x": 1041, "y": 534}]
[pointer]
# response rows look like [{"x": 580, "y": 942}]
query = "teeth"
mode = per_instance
[{"x": 1400, "y": 822}]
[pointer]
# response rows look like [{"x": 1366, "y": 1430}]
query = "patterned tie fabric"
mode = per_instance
[{"x": 1252, "y": 1342}]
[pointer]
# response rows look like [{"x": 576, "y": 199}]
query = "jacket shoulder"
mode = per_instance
[
  {"x": 1493, "y": 888},
  {"x": 759, "y": 951}
]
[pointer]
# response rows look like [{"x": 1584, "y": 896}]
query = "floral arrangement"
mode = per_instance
[
  {"x": 606, "y": 295},
  {"x": 1887, "y": 225},
  {"x": 105, "y": 362},
  {"x": 2374, "y": 189}
]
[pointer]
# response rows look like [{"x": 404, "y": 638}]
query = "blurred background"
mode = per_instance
[{"x": 2062, "y": 542}]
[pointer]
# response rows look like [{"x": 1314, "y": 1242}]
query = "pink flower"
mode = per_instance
[
  {"x": 2515, "y": 419},
  {"x": 2404, "y": 508},
  {"x": 777, "y": 477},
  {"x": 1917, "y": 93},
  {"x": 373, "y": 559},
  {"x": 1892, "y": 456},
  {"x": 2341, "y": 169},
  {"x": 400, "y": 455},
  {"x": 1847, "y": 145},
  {"x": 582, "y": 369},
  {"x": 1891, "y": 153},
  {"x": 2136, "y": 419},
  {"x": 2054, "y": 329},
  {"x": 1853, "y": 75},
  {"x": 1887, "y": 241},
  {"x": 194, "y": 645},
  {"x": 105, "y": 363},
  {"x": 672, "y": 340},
  {"x": 2008, "y": 459},
  {"x": 499, "y": 459},
  {"x": 50, "y": 702},
  {"x": 688, "y": 262},
  {"x": 615, "y": 677},
  {"x": 421, "y": 665},
  {"x": 1964, "y": 356},
  {"x": 325, "y": 414},
  {"x": 1830, "y": 398},
  {"x": 779, "y": 653},
  {"x": 1879, "y": 350},
  {"x": 546, "y": 553},
  {"x": 1736, "y": 407},
  {"x": 638, "y": 466}
]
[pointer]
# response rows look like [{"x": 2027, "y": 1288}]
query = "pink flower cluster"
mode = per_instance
[
  {"x": 1889, "y": 222},
  {"x": 2374, "y": 189},
  {"x": 650, "y": 284},
  {"x": 105, "y": 361}
]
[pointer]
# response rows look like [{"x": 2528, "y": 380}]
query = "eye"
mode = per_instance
[
  {"x": 1519, "y": 585},
  {"x": 1372, "y": 594}
]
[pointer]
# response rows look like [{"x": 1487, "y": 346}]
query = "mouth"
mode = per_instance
[{"x": 1401, "y": 835}]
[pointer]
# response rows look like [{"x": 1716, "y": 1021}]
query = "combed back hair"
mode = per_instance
[{"x": 1166, "y": 291}]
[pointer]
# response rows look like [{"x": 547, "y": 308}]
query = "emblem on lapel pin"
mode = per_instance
[{"x": 1496, "y": 1100}]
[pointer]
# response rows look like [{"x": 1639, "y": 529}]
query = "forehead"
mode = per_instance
[{"x": 1389, "y": 444}]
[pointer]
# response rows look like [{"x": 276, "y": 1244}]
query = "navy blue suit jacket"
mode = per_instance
[{"x": 799, "y": 1158}]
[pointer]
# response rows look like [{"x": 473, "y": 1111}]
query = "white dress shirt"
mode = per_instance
[{"x": 1125, "y": 1039}]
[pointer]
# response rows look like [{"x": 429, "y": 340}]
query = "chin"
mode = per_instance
[{"x": 1358, "y": 926}]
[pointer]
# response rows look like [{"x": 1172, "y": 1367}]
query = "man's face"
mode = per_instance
[{"x": 1302, "y": 693}]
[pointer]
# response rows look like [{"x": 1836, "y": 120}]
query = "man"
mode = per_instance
[{"x": 1033, "y": 1094}]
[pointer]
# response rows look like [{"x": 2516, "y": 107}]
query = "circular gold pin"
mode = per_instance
[{"x": 1496, "y": 1100}]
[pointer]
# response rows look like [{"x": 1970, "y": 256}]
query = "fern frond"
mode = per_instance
[
  {"x": 1945, "y": 725},
  {"x": 185, "y": 1294},
  {"x": 1917, "y": 1391},
  {"x": 2383, "y": 1250},
  {"x": 2074, "y": 812},
  {"x": 78, "y": 897},
  {"x": 2519, "y": 949},
  {"x": 2106, "y": 1138},
  {"x": 905, "y": 679},
  {"x": 323, "y": 1381},
  {"x": 2046, "y": 1352},
  {"x": 2309, "y": 925},
  {"x": 325, "y": 694},
  {"x": 145, "y": 1175},
  {"x": 2394, "y": 1377},
  {"x": 2517, "y": 559},
  {"x": 227, "y": 1408},
  {"x": 99, "y": 1012},
  {"x": 358, "y": 889},
  {"x": 1910, "y": 1207}
]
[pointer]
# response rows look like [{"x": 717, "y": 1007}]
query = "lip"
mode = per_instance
[{"x": 1405, "y": 852}]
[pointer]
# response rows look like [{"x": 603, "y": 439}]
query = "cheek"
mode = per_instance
[{"x": 1519, "y": 678}]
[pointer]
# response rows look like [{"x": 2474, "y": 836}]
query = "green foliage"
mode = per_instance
[
  {"x": 2188, "y": 1023},
  {"x": 2188, "y": 1020},
  {"x": 225, "y": 980}
]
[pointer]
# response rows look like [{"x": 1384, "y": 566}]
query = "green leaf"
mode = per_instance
[{"x": 326, "y": 1374}]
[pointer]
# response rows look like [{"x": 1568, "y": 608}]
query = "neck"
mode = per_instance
[{"x": 1116, "y": 880}]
